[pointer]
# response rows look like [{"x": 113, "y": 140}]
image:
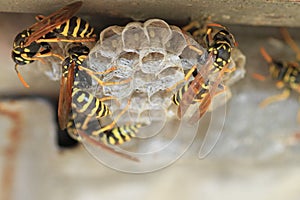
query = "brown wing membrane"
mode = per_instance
[
  {"x": 105, "y": 147},
  {"x": 205, "y": 103},
  {"x": 49, "y": 23},
  {"x": 194, "y": 88},
  {"x": 65, "y": 98}
]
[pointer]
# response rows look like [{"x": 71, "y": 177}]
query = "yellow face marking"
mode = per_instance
[
  {"x": 18, "y": 58},
  {"x": 26, "y": 50},
  {"x": 219, "y": 60},
  {"x": 17, "y": 52}
]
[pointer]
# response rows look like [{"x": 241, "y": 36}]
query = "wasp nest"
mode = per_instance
[{"x": 148, "y": 58}]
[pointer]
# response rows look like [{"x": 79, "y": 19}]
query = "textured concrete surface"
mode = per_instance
[{"x": 256, "y": 12}]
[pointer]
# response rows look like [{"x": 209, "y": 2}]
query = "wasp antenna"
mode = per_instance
[
  {"x": 21, "y": 77},
  {"x": 266, "y": 56},
  {"x": 289, "y": 40}
]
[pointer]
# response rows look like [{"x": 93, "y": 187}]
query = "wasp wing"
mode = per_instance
[
  {"x": 92, "y": 141},
  {"x": 194, "y": 88},
  {"x": 49, "y": 23},
  {"x": 205, "y": 103},
  {"x": 65, "y": 97}
]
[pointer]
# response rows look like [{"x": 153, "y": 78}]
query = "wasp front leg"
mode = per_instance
[
  {"x": 289, "y": 40},
  {"x": 272, "y": 99}
]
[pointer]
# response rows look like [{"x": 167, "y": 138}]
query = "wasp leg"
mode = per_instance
[
  {"x": 259, "y": 77},
  {"x": 200, "y": 28},
  {"x": 289, "y": 40},
  {"x": 186, "y": 78},
  {"x": 208, "y": 37},
  {"x": 48, "y": 54},
  {"x": 85, "y": 123},
  {"x": 35, "y": 58},
  {"x": 50, "y": 40},
  {"x": 280, "y": 97},
  {"x": 106, "y": 71},
  {"x": 191, "y": 25},
  {"x": 199, "y": 51},
  {"x": 265, "y": 55},
  {"x": 110, "y": 98},
  {"x": 102, "y": 83},
  {"x": 112, "y": 125},
  {"x": 105, "y": 147}
]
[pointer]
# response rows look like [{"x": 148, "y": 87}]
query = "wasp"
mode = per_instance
[
  {"x": 92, "y": 131},
  {"x": 80, "y": 111},
  {"x": 71, "y": 94},
  {"x": 207, "y": 81},
  {"x": 32, "y": 44},
  {"x": 220, "y": 45},
  {"x": 81, "y": 101},
  {"x": 286, "y": 73}
]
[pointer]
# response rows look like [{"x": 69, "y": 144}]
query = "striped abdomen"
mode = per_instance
[
  {"x": 75, "y": 27},
  {"x": 85, "y": 103},
  {"x": 177, "y": 97},
  {"x": 119, "y": 135}
]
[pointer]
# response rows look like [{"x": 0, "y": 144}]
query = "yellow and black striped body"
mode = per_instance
[
  {"x": 119, "y": 134},
  {"x": 85, "y": 103},
  {"x": 76, "y": 123},
  {"x": 221, "y": 49},
  {"x": 75, "y": 27},
  {"x": 115, "y": 136},
  {"x": 77, "y": 54},
  {"x": 177, "y": 97},
  {"x": 287, "y": 72},
  {"x": 82, "y": 101}
]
